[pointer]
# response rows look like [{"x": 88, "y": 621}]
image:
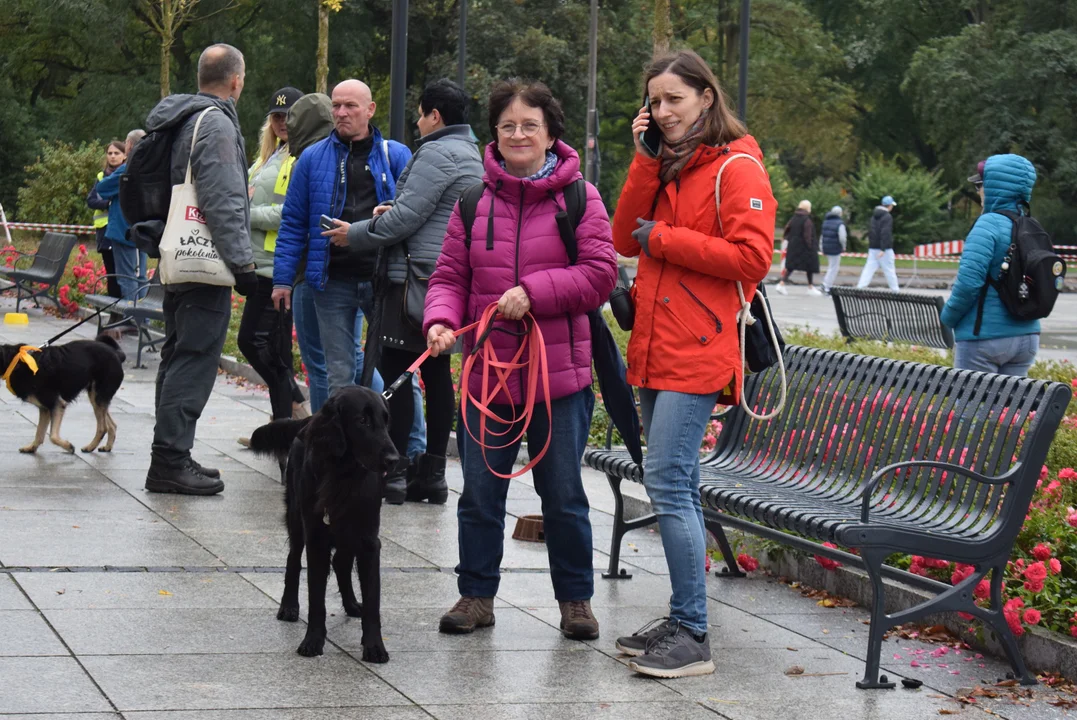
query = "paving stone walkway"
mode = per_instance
[{"x": 116, "y": 603}]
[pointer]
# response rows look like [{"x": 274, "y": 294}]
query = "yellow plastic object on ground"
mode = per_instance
[{"x": 16, "y": 319}]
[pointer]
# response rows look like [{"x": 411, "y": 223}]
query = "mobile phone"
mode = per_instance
[
  {"x": 326, "y": 223},
  {"x": 651, "y": 138}
]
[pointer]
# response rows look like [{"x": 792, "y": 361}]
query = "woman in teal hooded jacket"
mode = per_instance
[{"x": 1004, "y": 343}]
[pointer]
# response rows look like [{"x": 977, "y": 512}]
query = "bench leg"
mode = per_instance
[
  {"x": 620, "y": 527},
  {"x": 731, "y": 569},
  {"x": 141, "y": 344},
  {"x": 1002, "y": 630},
  {"x": 873, "y": 561}
]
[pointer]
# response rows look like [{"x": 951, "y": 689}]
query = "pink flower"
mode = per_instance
[
  {"x": 747, "y": 562},
  {"x": 1036, "y": 571},
  {"x": 1041, "y": 552},
  {"x": 1067, "y": 473},
  {"x": 826, "y": 562},
  {"x": 1032, "y": 616},
  {"x": 1073, "y": 630},
  {"x": 1044, "y": 473},
  {"x": 1056, "y": 566},
  {"x": 965, "y": 616},
  {"x": 983, "y": 590},
  {"x": 1034, "y": 586},
  {"x": 1071, "y": 518}
]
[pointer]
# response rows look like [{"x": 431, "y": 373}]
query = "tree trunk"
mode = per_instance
[
  {"x": 663, "y": 29},
  {"x": 321, "y": 78},
  {"x": 166, "y": 67}
]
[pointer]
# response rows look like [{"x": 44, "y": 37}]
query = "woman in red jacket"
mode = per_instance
[{"x": 684, "y": 354}]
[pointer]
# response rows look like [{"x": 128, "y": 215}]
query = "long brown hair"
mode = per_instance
[
  {"x": 722, "y": 126},
  {"x": 119, "y": 145}
]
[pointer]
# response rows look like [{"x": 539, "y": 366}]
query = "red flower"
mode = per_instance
[
  {"x": 747, "y": 562},
  {"x": 1032, "y": 616},
  {"x": 825, "y": 562},
  {"x": 1036, "y": 571},
  {"x": 965, "y": 616},
  {"x": 1041, "y": 552},
  {"x": 983, "y": 590},
  {"x": 1067, "y": 473},
  {"x": 1034, "y": 586},
  {"x": 1073, "y": 628},
  {"x": 1056, "y": 566},
  {"x": 1044, "y": 473},
  {"x": 1071, "y": 518},
  {"x": 82, "y": 248}
]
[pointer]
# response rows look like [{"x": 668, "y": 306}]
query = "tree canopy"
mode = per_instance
[{"x": 839, "y": 90}]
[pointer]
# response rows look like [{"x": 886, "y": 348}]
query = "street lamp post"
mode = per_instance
[
  {"x": 591, "y": 150},
  {"x": 398, "y": 70},
  {"x": 461, "y": 52}
]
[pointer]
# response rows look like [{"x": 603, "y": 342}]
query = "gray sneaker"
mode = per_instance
[
  {"x": 636, "y": 643},
  {"x": 674, "y": 654}
]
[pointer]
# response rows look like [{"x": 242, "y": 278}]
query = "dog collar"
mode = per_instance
[{"x": 22, "y": 356}]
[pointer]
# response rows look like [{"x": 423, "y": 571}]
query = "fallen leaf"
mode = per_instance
[
  {"x": 61, "y": 592},
  {"x": 163, "y": 592},
  {"x": 792, "y": 649},
  {"x": 794, "y": 670},
  {"x": 826, "y": 602},
  {"x": 947, "y": 711},
  {"x": 1006, "y": 683}
]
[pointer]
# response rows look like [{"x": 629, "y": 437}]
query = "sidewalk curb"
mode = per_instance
[{"x": 1043, "y": 650}]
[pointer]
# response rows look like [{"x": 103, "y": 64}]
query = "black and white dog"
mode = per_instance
[
  {"x": 336, "y": 463},
  {"x": 63, "y": 372}
]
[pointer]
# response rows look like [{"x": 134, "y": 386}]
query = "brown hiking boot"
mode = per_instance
[
  {"x": 467, "y": 614},
  {"x": 577, "y": 620}
]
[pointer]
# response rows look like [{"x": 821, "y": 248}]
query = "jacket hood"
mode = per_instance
[
  {"x": 1008, "y": 180},
  {"x": 567, "y": 170},
  {"x": 309, "y": 120},
  {"x": 455, "y": 133},
  {"x": 879, "y": 211},
  {"x": 175, "y": 109}
]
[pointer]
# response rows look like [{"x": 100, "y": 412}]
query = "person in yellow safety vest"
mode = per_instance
[
  {"x": 115, "y": 156},
  {"x": 265, "y": 332}
]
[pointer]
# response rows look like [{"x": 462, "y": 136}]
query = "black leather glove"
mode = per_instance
[{"x": 246, "y": 283}]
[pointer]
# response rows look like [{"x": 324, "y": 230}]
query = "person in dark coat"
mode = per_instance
[{"x": 803, "y": 252}]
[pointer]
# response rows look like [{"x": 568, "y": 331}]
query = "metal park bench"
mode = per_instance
[
  {"x": 884, "y": 456},
  {"x": 40, "y": 278},
  {"x": 137, "y": 313},
  {"x": 888, "y": 316}
]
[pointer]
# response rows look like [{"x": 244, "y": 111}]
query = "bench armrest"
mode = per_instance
[
  {"x": 105, "y": 277},
  {"x": 868, "y": 487}
]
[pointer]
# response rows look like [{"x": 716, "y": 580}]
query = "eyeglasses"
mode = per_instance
[{"x": 529, "y": 129}]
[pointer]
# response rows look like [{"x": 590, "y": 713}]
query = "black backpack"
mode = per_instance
[
  {"x": 567, "y": 220},
  {"x": 146, "y": 185},
  {"x": 1032, "y": 273}
]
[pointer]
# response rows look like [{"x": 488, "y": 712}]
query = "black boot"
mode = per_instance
[
  {"x": 413, "y": 481},
  {"x": 396, "y": 484},
  {"x": 429, "y": 482},
  {"x": 185, "y": 480}
]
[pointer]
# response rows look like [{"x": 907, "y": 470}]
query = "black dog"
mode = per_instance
[
  {"x": 63, "y": 372},
  {"x": 335, "y": 473}
]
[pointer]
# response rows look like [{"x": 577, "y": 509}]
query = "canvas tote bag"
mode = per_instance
[{"x": 187, "y": 251}]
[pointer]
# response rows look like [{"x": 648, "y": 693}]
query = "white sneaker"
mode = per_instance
[
  {"x": 814, "y": 291},
  {"x": 780, "y": 289}
]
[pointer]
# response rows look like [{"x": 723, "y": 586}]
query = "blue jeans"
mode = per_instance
[
  {"x": 674, "y": 424},
  {"x": 130, "y": 264},
  {"x": 565, "y": 510},
  {"x": 305, "y": 316},
  {"x": 1006, "y": 356}
]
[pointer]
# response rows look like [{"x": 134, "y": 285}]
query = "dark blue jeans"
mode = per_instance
[{"x": 565, "y": 510}]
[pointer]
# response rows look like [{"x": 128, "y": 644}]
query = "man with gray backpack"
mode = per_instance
[{"x": 1009, "y": 276}]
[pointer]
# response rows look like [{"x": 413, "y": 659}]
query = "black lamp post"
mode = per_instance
[
  {"x": 742, "y": 95},
  {"x": 398, "y": 71}
]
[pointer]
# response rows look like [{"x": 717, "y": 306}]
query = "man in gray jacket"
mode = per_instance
[
  {"x": 409, "y": 232},
  {"x": 196, "y": 315}
]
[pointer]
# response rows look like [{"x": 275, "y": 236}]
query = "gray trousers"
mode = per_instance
[{"x": 196, "y": 324}]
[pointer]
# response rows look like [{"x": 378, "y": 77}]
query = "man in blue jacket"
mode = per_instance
[
  {"x": 1004, "y": 344},
  {"x": 345, "y": 176}
]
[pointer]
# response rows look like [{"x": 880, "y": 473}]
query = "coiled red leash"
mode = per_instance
[{"x": 530, "y": 356}]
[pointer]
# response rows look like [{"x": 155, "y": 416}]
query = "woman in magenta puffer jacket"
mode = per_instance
[{"x": 518, "y": 260}]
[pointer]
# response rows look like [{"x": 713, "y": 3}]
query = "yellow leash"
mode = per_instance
[{"x": 22, "y": 356}]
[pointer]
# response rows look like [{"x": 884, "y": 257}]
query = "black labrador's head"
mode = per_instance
[{"x": 354, "y": 425}]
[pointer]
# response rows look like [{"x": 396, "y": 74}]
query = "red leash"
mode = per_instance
[{"x": 530, "y": 355}]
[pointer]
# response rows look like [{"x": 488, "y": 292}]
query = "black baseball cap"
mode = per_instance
[{"x": 283, "y": 100}]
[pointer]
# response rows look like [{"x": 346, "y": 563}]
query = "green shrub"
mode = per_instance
[
  {"x": 58, "y": 182},
  {"x": 918, "y": 217},
  {"x": 1062, "y": 371},
  {"x": 825, "y": 194}
]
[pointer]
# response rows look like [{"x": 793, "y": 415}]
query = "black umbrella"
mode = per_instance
[
  {"x": 617, "y": 395},
  {"x": 372, "y": 349}
]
